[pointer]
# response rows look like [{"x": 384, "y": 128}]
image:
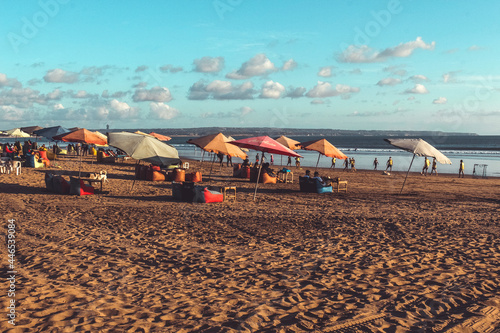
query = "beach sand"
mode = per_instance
[{"x": 366, "y": 260}]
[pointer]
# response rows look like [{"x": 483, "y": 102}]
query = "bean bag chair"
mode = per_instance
[
  {"x": 194, "y": 177},
  {"x": 61, "y": 185},
  {"x": 49, "y": 182},
  {"x": 170, "y": 176},
  {"x": 32, "y": 162},
  {"x": 43, "y": 156},
  {"x": 177, "y": 191},
  {"x": 50, "y": 155},
  {"x": 313, "y": 186},
  {"x": 77, "y": 187},
  {"x": 157, "y": 176},
  {"x": 204, "y": 195},
  {"x": 102, "y": 157},
  {"x": 143, "y": 172},
  {"x": 188, "y": 191},
  {"x": 93, "y": 151},
  {"x": 265, "y": 178},
  {"x": 179, "y": 175}
]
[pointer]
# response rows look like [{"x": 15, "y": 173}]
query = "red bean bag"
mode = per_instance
[
  {"x": 212, "y": 196},
  {"x": 78, "y": 187}
]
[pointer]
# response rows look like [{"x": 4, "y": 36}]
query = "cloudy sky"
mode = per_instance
[{"x": 411, "y": 65}]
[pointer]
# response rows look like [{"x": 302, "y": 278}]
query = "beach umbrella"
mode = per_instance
[
  {"x": 50, "y": 132},
  {"x": 31, "y": 129},
  {"x": 217, "y": 144},
  {"x": 418, "y": 147},
  {"x": 287, "y": 142},
  {"x": 160, "y": 137},
  {"x": 266, "y": 145},
  {"x": 145, "y": 148},
  {"x": 323, "y": 147},
  {"x": 17, "y": 133},
  {"x": 103, "y": 136},
  {"x": 81, "y": 136}
]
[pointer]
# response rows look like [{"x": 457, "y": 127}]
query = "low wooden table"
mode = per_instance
[
  {"x": 337, "y": 184},
  {"x": 229, "y": 192},
  {"x": 91, "y": 180}
]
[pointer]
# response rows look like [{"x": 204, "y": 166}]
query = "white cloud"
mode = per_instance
[
  {"x": 170, "y": 68},
  {"x": 162, "y": 111},
  {"x": 80, "y": 94},
  {"x": 61, "y": 76},
  {"x": 245, "y": 110},
  {"x": 325, "y": 89},
  {"x": 56, "y": 94},
  {"x": 389, "y": 81},
  {"x": 295, "y": 92},
  {"x": 8, "y": 82},
  {"x": 272, "y": 89},
  {"x": 317, "y": 101},
  {"x": 418, "y": 89},
  {"x": 257, "y": 66},
  {"x": 365, "y": 54},
  {"x": 141, "y": 68},
  {"x": 450, "y": 77},
  {"x": 419, "y": 78},
  {"x": 11, "y": 113},
  {"x": 289, "y": 65},
  {"x": 155, "y": 94},
  {"x": 121, "y": 110},
  {"x": 220, "y": 90},
  {"x": 474, "y": 48},
  {"x": 440, "y": 100},
  {"x": 58, "y": 106},
  {"x": 325, "y": 71},
  {"x": 209, "y": 64},
  {"x": 21, "y": 97}
]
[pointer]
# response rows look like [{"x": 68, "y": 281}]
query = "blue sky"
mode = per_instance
[{"x": 412, "y": 65}]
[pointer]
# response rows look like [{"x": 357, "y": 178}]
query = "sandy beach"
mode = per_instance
[{"x": 368, "y": 260}]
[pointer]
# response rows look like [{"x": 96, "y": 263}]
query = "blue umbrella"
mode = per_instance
[{"x": 50, "y": 132}]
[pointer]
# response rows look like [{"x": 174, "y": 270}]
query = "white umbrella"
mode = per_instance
[
  {"x": 418, "y": 147},
  {"x": 144, "y": 147},
  {"x": 17, "y": 133}
]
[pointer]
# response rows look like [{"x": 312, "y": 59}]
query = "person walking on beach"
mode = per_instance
[
  {"x": 289, "y": 161},
  {"x": 229, "y": 160},
  {"x": 434, "y": 167},
  {"x": 426, "y": 166},
  {"x": 461, "y": 169},
  {"x": 297, "y": 162},
  {"x": 375, "y": 164},
  {"x": 346, "y": 164},
  {"x": 389, "y": 164},
  {"x": 334, "y": 160},
  {"x": 353, "y": 163}
]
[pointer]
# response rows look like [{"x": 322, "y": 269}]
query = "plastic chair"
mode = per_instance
[{"x": 185, "y": 165}]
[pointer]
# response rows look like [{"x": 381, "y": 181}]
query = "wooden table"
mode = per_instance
[{"x": 91, "y": 180}]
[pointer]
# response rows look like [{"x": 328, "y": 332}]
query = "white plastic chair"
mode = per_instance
[
  {"x": 185, "y": 165},
  {"x": 16, "y": 165}
]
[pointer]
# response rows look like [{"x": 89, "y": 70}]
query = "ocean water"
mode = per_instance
[{"x": 473, "y": 150}]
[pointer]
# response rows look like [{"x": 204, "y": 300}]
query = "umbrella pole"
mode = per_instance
[
  {"x": 134, "y": 177},
  {"x": 319, "y": 155},
  {"x": 407, "y": 174},
  {"x": 257, "y": 183}
]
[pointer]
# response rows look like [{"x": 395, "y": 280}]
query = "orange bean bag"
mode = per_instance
[
  {"x": 179, "y": 175},
  {"x": 194, "y": 177}
]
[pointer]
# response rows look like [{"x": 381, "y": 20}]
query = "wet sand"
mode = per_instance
[{"x": 366, "y": 260}]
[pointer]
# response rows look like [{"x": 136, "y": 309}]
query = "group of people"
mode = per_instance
[
  {"x": 316, "y": 176},
  {"x": 18, "y": 149}
]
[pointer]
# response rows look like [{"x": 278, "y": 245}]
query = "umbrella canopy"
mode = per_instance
[
  {"x": 265, "y": 144},
  {"x": 31, "y": 129},
  {"x": 16, "y": 132},
  {"x": 287, "y": 142},
  {"x": 217, "y": 143},
  {"x": 50, "y": 132},
  {"x": 82, "y": 136},
  {"x": 323, "y": 147},
  {"x": 160, "y": 137},
  {"x": 419, "y": 147},
  {"x": 144, "y": 147},
  {"x": 141, "y": 133}
]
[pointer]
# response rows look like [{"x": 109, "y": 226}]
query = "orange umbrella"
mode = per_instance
[
  {"x": 324, "y": 148},
  {"x": 217, "y": 143},
  {"x": 160, "y": 137},
  {"x": 289, "y": 143},
  {"x": 82, "y": 136}
]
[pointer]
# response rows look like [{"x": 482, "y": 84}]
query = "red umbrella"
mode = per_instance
[
  {"x": 266, "y": 145},
  {"x": 82, "y": 136}
]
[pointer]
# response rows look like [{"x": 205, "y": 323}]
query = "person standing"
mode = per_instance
[
  {"x": 434, "y": 167},
  {"x": 272, "y": 159},
  {"x": 289, "y": 161},
  {"x": 353, "y": 163},
  {"x": 375, "y": 164},
  {"x": 389, "y": 164},
  {"x": 461, "y": 169},
  {"x": 334, "y": 160},
  {"x": 426, "y": 166},
  {"x": 229, "y": 160},
  {"x": 346, "y": 164},
  {"x": 297, "y": 162},
  {"x": 257, "y": 159}
]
